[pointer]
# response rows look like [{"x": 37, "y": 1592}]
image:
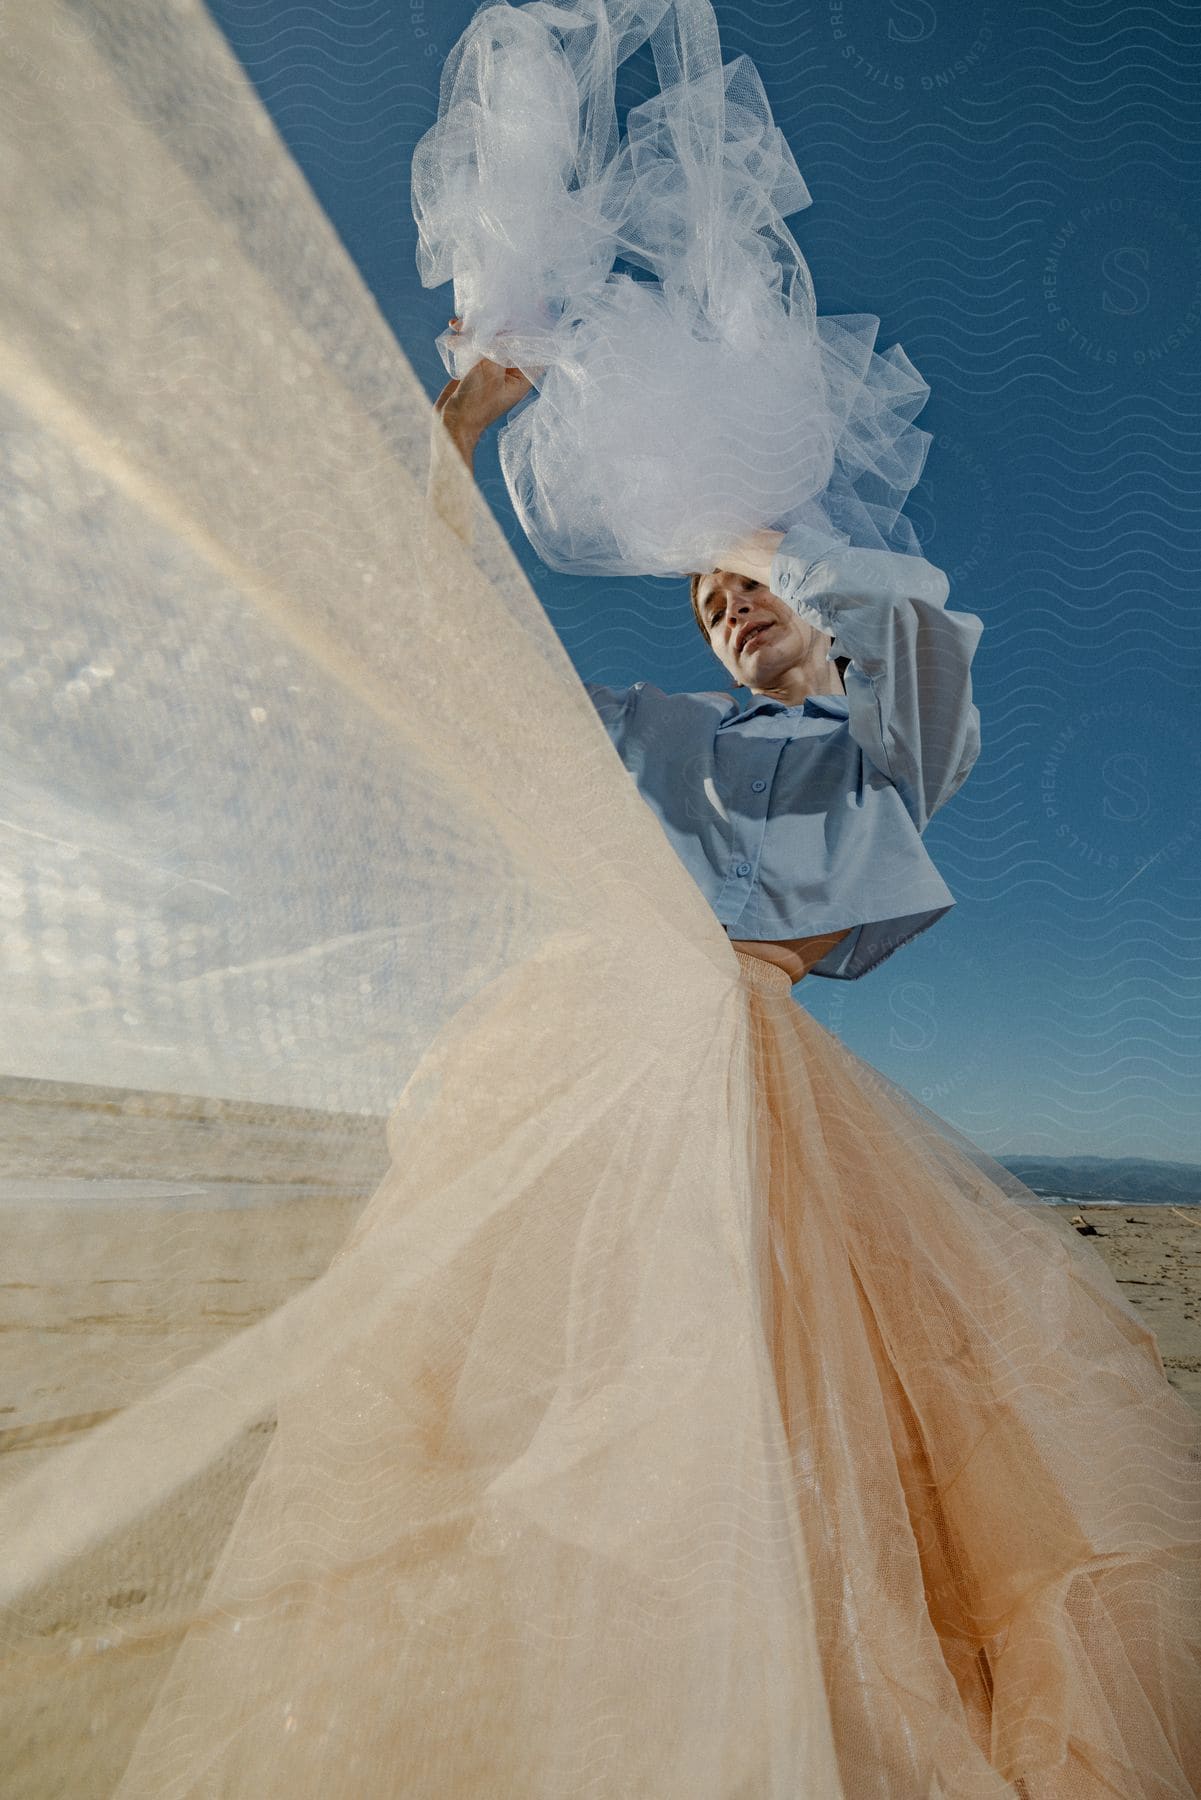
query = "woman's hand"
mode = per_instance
[
  {"x": 486, "y": 393},
  {"x": 752, "y": 556}
]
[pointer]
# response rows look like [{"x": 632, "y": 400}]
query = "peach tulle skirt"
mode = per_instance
[
  {"x": 688, "y": 1414},
  {"x": 863, "y": 1483}
]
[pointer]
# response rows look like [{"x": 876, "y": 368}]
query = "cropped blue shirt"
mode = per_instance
[{"x": 800, "y": 820}]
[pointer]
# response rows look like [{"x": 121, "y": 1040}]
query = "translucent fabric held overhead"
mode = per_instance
[
  {"x": 681, "y": 410},
  {"x": 465, "y": 1330}
]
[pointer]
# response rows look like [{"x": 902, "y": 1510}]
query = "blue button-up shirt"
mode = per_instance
[{"x": 800, "y": 820}]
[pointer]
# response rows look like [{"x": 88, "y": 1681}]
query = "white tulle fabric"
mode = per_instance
[
  {"x": 465, "y": 1332},
  {"x": 681, "y": 408}
]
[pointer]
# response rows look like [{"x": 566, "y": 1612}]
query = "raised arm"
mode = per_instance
[
  {"x": 908, "y": 681},
  {"x": 466, "y": 409}
]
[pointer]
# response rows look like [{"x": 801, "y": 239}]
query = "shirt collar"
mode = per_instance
[{"x": 829, "y": 706}]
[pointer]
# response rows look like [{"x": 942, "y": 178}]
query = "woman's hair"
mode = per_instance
[{"x": 694, "y": 582}]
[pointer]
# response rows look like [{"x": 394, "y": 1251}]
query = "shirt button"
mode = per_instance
[
  {"x": 742, "y": 868},
  {"x": 757, "y": 787}
]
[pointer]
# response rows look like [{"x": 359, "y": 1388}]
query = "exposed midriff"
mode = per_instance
[{"x": 796, "y": 955}]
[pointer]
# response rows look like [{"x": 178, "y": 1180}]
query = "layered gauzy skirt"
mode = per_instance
[
  {"x": 677, "y": 1411},
  {"x": 843, "y": 1474}
]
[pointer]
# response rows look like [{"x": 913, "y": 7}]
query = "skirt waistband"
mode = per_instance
[{"x": 768, "y": 976}]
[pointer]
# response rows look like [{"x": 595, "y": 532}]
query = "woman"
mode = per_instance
[
  {"x": 912, "y": 736},
  {"x": 688, "y": 1412},
  {"x": 847, "y": 807},
  {"x": 898, "y": 1286}
]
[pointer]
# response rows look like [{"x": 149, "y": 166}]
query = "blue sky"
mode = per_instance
[{"x": 1013, "y": 191}]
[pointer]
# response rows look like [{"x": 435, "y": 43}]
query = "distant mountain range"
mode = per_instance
[{"x": 1128, "y": 1178}]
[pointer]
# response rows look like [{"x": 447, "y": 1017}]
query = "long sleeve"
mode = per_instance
[
  {"x": 615, "y": 707},
  {"x": 908, "y": 683}
]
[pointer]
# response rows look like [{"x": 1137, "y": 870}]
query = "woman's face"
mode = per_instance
[{"x": 753, "y": 634}]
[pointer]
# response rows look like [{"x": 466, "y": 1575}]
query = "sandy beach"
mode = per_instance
[
  {"x": 1154, "y": 1254},
  {"x": 257, "y": 1203},
  {"x": 149, "y": 1289},
  {"x": 186, "y": 1219},
  {"x": 131, "y": 1181}
]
